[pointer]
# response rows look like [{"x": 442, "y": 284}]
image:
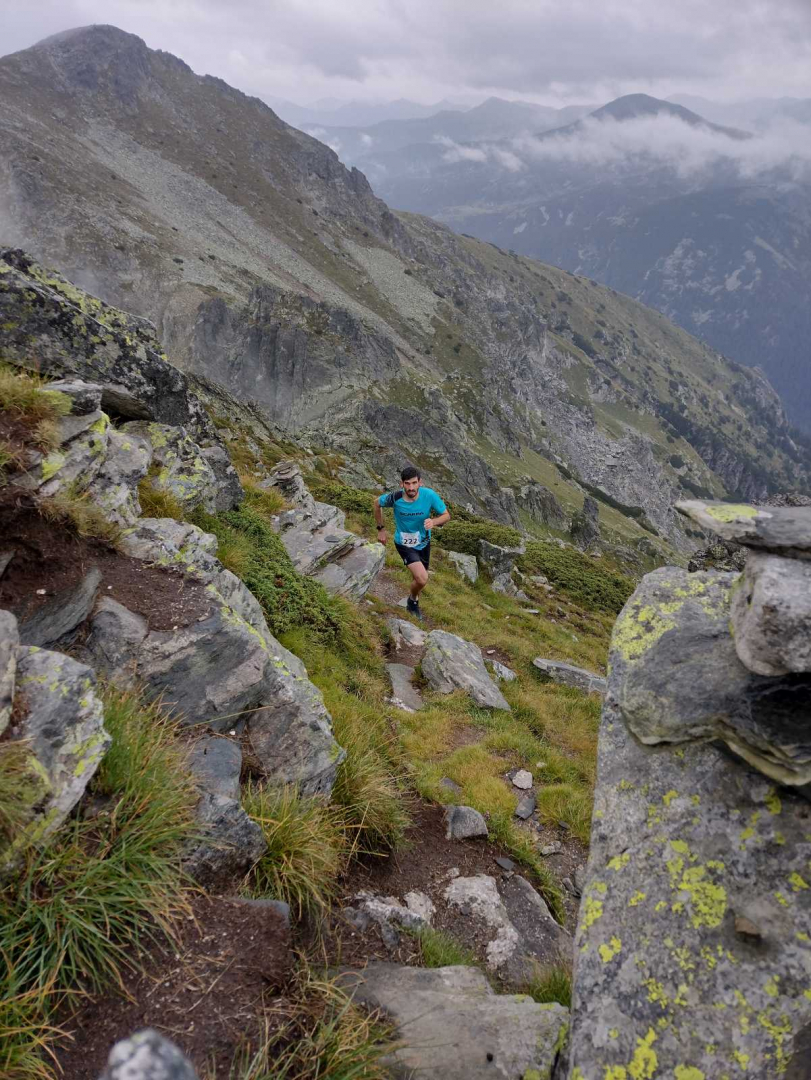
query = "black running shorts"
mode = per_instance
[{"x": 410, "y": 555}]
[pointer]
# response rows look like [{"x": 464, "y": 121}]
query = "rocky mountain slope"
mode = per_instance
[
  {"x": 274, "y": 271},
  {"x": 715, "y": 236}
]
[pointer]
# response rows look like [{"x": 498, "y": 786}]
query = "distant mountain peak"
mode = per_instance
[{"x": 635, "y": 106}]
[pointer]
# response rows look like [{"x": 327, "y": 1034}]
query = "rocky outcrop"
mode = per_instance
[
  {"x": 542, "y": 505},
  {"x": 585, "y": 528},
  {"x": 693, "y": 952},
  {"x": 319, "y": 546},
  {"x": 451, "y": 1026},
  {"x": 178, "y": 465},
  {"x": 59, "y": 720},
  {"x": 782, "y": 530},
  {"x": 568, "y": 675},
  {"x": 466, "y": 565},
  {"x": 54, "y": 328},
  {"x": 224, "y": 668},
  {"x": 451, "y": 663}
]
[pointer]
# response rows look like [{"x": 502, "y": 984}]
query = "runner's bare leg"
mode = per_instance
[{"x": 420, "y": 578}]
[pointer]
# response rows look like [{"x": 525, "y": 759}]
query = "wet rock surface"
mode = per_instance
[{"x": 452, "y": 1026}]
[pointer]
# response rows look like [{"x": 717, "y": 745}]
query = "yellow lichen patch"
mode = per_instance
[
  {"x": 637, "y": 898},
  {"x": 772, "y": 986},
  {"x": 781, "y": 900},
  {"x": 644, "y": 1062},
  {"x": 797, "y": 883},
  {"x": 708, "y": 900},
  {"x": 688, "y": 1072},
  {"x": 669, "y": 796},
  {"x": 610, "y": 950},
  {"x": 731, "y": 512},
  {"x": 613, "y": 1033},
  {"x": 640, "y": 626},
  {"x": 619, "y": 862},
  {"x": 772, "y": 800},
  {"x": 802, "y": 936},
  {"x": 656, "y": 992},
  {"x": 661, "y": 905},
  {"x": 616, "y": 1072},
  {"x": 741, "y": 1058},
  {"x": 592, "y": 911}
]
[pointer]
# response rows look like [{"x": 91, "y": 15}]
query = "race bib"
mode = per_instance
[{"x": 409, "y": 539}]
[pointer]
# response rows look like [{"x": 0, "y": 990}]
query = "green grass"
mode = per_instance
[
  {"x": 577, "y": 575},
  {"x": 157, "y": 502},
  {"x": 20, "y": 787},
  {"x": 306, "y": 848},
  {"x": 438, "y": 949},
  {"x": 79, "y": 514},
  {"x": 77, "y": 911},
  {"x": 465, "y": 536},
  {"x": 25, "y": 396},
  {"x": 250, "y": 548},
  {"x": 551, "y": 984},
  {"x": 26, "y": 1039}
]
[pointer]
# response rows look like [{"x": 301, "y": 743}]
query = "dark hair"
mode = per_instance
[{"x": 410, "y": 473}]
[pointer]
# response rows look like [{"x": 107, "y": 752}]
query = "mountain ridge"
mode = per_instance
[{"x": 273, "y": 270}]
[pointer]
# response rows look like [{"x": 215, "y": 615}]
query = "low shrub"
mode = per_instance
[
  {"x": 351, "y": 500},
  {"x": 577, "y": 575},
  {"x": 464, "y": 536},
  {"x": 250, "y": 548}
]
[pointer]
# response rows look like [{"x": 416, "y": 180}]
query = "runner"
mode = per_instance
[{"x": 413, "y": 506}]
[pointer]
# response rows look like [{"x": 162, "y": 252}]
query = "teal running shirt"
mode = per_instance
[{"x": 409, "y": 516}]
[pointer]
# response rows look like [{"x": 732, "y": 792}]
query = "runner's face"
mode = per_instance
[{"x": 411, "y": 487}]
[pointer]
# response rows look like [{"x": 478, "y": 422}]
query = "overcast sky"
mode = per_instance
[{"x": 551, "y": 51}]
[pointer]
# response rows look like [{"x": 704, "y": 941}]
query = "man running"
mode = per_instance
[{"x": 414, "y": 507}]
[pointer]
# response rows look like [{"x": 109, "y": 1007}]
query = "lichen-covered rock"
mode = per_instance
[
  {"x": 784, "y": 530},
  {"x": 405, "y": 633},
  {"x": 451, "y": 663},
  {"x": 568, "y": 675},
  {"x": 287, "y": 478},
  {"x": 771, "y": 614},
  {"x": 499, "y": 560},
  {"x": 354, "y": 573},
  {"x": 452, "y": 1026},
  {"x": 678, "y": 677},
  {"x": 225, "y": 667},
  {"x": 75, "y": 463},
  {"x": 178, "y": 465},
  {"x": 693, "y": 949},
  {"x": 147, "y": 1055},
  {"x": 466, "y": 565},
  {"x": 9, "y": 640},
  {"x": 216, "y": 764},
  {"x": 114, "y": 489},
  {"x": 63, "y": 724},
  {"x": 500, "y": 671}
]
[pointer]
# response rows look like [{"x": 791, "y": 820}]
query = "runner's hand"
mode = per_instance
[
  {"x": 382, "y": 537},
  {"x": 428, "y": 524}
]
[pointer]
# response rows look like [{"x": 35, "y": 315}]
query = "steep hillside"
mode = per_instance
[
  {"x": 272, "y": 270},
  {"x": 702, "y": 222}
]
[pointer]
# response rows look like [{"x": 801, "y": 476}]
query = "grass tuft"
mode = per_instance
[
  {"x": 26, "y": 1039},
  {"x": 25, "y": 395},
  {"x": 438, "y": 949},
  {"x": 80, "y": 907},
  {"x": 81, "y": 515},
  {"x": 157, "y": 502},
  {"x": 267, "y": 501},
  {"x": 551, "y": 984},
  {"x": 20, "y": 786},
  {"x": 305, "y": 848}
]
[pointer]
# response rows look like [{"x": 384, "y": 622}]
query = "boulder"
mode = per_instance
[
  {"x": 62, "y": 722},
  {"x": 585, "y": 527},
  {"x": 514, "y": 921},
  {"x": 228, "y": 843},
  {"x": 404, "y": 693},
  {"x": 452, "y": 1026},
  {"x": 783, "y": 530},
  {"x": 501, "y": 671},
  {"x": 287, "y": 479},
  {"x": 404, "y": 633},
  {"x": 451, "y": 663},
  {"x": 499, "y": 560},
  {"x": 114, "y": 489},
  {"x": 463, "y": 822},
  {"x": 693, "y": 947},
  {"x": 216, "y": 765},
  {"x": 677, "y": 676},
  {"x": 9, "y": 640},
  {"x": 147, "y": 1055},
  {"x": 569, "y": 675},
  {"x": 62, "y": 613},
  {"x": 522, "y": 779},
  {"x": 355, "y": 571},
  {"x": 771, "y": 614},
  {"x": 466, "y": 565},
  {"x": 85, "y": 396}
]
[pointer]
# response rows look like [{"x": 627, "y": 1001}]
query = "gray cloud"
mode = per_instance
[{"x": 426, "y": 49}]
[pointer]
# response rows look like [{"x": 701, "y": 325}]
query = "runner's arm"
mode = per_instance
[
  {"x": 431, "y": 523},
  {"x": 381, "y": 525}
]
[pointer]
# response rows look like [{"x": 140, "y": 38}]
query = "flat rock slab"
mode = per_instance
[
  {"x": 784, "y": 530},
  {"x": 569, "y": 675},
  {"x": 526, "y": 806},
  {"x": 451, "y": 663},
  {"x": 354, "y": 572},
  {"x": 405, "y": 633},
  {"x": 228, "y": 843},
  {"x": 466, "y": 565},
  {"x": 771, "y": 614},
  {"x": 452, "y": 1026},
  {"x": 62, "y": 613},
  {"x": 676, "y": 676},
  {"x": 403, "y": 692},
  {"x": 685, "y": 845}
]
